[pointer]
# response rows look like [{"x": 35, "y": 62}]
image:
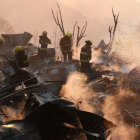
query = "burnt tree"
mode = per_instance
[
  {"x": 81, "y": 34},
  {"x": 59, "y": 20},
  {"x": 73, "y": 35},
  {"x": 112, "y": 30}
]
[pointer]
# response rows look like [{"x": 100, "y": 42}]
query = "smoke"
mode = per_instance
[
  {"x": 78, "y": 90},
  {"x": 9, "y": 111},
  {"x": 5, "y": 26},
  {"x": 125, "y": 49},
  {"x": 13, "y": 111},
  {"x": 97, "y": 56},
  {"x": 127, "y": 43},
  {"x": 118, "y": 108}
]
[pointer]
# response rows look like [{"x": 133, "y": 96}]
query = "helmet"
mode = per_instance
[
  {"x": 68, "y": 34},
  {"x": 44, "y": 32},
  {"x": 18, "y": 49},
  {"x": 89, "y": 42},
  {"x": 1, "y": 39}
]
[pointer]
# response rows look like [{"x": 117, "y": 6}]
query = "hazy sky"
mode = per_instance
[{"x": 30, "y": 15}]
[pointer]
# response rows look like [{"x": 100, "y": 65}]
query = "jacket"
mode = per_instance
[
  {"x": 22, "y": 59},
  {"x": 44, "y": 41},
  {"x": 86, "y": 54},
  {"x": 65, "y": 44}
]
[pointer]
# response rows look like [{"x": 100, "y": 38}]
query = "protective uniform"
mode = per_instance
[
  {"x": 66, "y": 45},
  {"x": 1, "y": 40},
  {"x": 21, "y": 56},
  {"x": 85, "y": 57},
  {"x": 44, "y": 41}
]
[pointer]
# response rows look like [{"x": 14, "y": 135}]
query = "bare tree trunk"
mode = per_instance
[
  {"x": 59, "y": 20},
  {"x": 73, "y": 35},
  {"x": 112, "y": 32},
  {"x": 81, "y": 34}
]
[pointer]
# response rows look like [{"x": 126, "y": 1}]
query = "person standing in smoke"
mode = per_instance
[
  {"x": 85, "y": 57},
  {"x": 21, "y": 59},
  {"x": 44, "y": 41},
  {"x": 66, "y": 46}
]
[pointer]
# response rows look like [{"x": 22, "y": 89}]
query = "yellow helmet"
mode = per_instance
[
  {"x": 18, "y": 49},
  {"x": 89, "y": 42},
  {"x": 44, "y": 32},
  {"x": 68, "y": 34},
  {"x": 1, "y": 39}
]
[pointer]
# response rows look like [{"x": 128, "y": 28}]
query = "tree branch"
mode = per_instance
[
  {"x": 73, "y": 33},
  {"x": 80, "y": 35},
  {"x": 59, "y": 21}
]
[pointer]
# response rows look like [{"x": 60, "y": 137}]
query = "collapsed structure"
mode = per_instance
[
  {"x": 30, "y": 102},
  {"x": 31, "y": 106}
]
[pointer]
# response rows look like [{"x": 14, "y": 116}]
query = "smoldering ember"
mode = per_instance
[{"x": 74, "y": 75}]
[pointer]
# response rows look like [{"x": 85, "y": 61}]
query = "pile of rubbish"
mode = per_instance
[{"x": 32, "y": 108}]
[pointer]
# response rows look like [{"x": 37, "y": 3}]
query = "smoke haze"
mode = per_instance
[{"x": 30, "y": 15}]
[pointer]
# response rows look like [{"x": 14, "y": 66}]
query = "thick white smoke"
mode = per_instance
[{"x": 77, "y": 89}]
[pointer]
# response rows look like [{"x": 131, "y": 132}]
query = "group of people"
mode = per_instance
[{"x": 65, "y": 46}]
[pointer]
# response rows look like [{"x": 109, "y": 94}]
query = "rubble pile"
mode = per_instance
[
  {"x": 134, "y": 79},
  {"x": 53, "y": 70},
  {"x": 53, "y": 100}
]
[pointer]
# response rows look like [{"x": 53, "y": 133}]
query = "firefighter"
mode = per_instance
[
  {"x": 66, "y": 46},
  {"x": 21, "y": 60},
  {"x": 44, "y": 41},
  {"x": 85, "y": 57},
  {"x": 1, "y": 40}
]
